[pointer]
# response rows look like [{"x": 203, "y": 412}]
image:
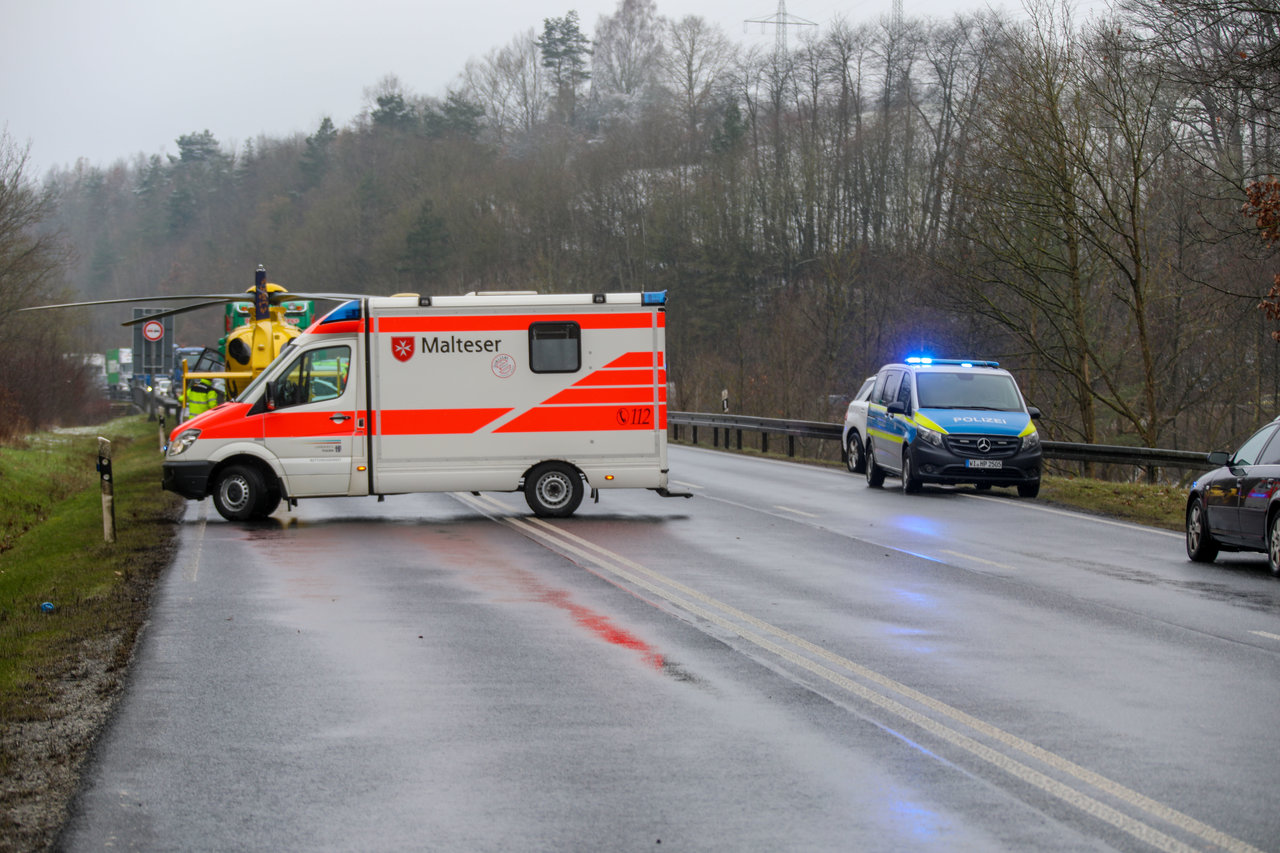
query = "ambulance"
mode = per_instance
[{"x": 552, "y": 395}]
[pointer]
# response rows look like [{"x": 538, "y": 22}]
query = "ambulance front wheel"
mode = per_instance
[
  {"x": 240, "y": 493},
  {"x": 553, "y": 490}
]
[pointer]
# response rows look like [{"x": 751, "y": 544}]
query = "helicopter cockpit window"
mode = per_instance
[{"x": 316, "y": 376}]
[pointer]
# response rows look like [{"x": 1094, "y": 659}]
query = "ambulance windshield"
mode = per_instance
[{"x": 252, "y": 390}]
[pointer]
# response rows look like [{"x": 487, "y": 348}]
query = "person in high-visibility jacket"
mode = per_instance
[{"x": 200, "y": 398}]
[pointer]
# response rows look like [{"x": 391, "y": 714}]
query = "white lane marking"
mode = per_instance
[
  {"x": 1267, "y": 634},
  {"x": 1076, "y": 515},
  {"x": 197, "y": 547},
  {"x": 648, "y": 579},
  {"x": 795, "y": 511},
  {"x": 980, "y": 560},
  {"x": 687, "y": 485}
]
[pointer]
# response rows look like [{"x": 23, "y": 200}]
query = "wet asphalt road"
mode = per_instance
[{"x": 789, "y": 661}]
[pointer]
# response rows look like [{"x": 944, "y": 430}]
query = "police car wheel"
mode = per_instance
[
  {"x": 553, "y": 490},
  {"x": 1028, "y": 490},
  {"x": 1200, "y": 545},
  {"x": 238, "y": 492},
  {"x": 855, "y": 458},
  {"x": 910, "y": 482},
  {"x": 875, "y": 474}
]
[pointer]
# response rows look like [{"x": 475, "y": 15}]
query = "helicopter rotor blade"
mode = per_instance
[
  {"x": 220, "y": 297},
  {"x": 172, "y": 312},
  {"x": 290, "y": 296}
]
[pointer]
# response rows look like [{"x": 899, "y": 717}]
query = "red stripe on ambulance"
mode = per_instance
[
  {"x": 436, "y": 421},
  {"x": 514, "y": 322},
  {"x": 584, "y": 419}
]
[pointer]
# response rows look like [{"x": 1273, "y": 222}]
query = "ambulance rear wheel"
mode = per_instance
[
  {"x": 553, "y": 490},
  {"x": 239, "y": 493}
]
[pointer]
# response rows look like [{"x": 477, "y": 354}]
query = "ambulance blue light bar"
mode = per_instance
[
  {"x": 653, "y": 297},
  {"x": 345, "y": 311}
]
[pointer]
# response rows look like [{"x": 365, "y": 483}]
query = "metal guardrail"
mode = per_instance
[{"x": 1062, "y": 450}]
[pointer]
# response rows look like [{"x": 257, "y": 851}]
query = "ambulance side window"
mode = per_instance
[
  {"x": 555, "y": 347},
  {"x": 317, "y": 375}
]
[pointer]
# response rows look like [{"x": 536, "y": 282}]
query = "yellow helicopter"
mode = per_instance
[{"x": 247, "y": 349}]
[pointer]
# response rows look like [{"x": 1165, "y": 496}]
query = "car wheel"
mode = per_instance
[
  {"x": 553, "y": 490},
  {"x": 1200, "y": 545},
  {"x": 875, "y": 474},
  {"x": 1273, "y": 543},
  {"x": 855, "y": 458},
  {"x": 238, "y": 492},
  {"x": 910, "y": 482},
  {"x": 1028, "y": 490}
]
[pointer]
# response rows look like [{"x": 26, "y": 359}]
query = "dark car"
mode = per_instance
[{"x": 1237, "y": 507}]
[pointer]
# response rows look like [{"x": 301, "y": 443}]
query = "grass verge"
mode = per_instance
[{"x": 60, "y": 671}]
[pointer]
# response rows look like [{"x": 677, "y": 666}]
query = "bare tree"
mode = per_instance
[
  {"x": 628, "y": 46},
  {"x": 694, "y": 68}
]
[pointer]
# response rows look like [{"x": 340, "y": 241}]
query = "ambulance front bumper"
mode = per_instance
[{"x": 189, "y": 479}]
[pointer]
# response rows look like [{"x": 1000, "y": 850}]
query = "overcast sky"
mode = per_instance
[{"x": 106, "y": 81}]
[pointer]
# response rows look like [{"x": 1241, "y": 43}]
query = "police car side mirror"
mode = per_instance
[
  {"x": 1034, "y": 412},
  {"x": 896, "y": 408},
  {"x": 1219, "y": 458}
]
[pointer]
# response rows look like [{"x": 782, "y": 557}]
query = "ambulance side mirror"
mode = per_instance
[{"x": 269, "y": 394}]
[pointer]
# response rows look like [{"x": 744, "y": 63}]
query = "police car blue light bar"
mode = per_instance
[{"x": 924, "y": 359}]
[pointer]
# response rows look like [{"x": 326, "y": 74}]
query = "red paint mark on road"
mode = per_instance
[{"x": 600, "y": 625}]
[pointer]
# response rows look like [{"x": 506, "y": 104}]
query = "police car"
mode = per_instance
[{"x": 951, "y": 421}]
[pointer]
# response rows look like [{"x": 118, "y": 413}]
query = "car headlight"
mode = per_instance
[
  {"x": 1031, "y": 442},
  {"x": 932, "y": 436},
  {"x": 185, "y": 439}
]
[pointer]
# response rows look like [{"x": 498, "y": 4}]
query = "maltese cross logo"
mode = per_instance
[{"x": 402, "y": 348}]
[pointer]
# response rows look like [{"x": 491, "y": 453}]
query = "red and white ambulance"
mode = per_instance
[{"x": 549, "y": 394}]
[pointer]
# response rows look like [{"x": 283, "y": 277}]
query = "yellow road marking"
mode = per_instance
[{"x": 648, "y": 579}]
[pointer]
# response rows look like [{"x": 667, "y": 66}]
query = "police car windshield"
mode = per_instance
[{"x": 994, "y": 392}]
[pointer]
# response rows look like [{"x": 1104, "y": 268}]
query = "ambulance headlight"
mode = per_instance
[
  {"x": 932, "y": 436},
  {"x": 1031, "y": 442},
  {"x": 185, "y": 439}
]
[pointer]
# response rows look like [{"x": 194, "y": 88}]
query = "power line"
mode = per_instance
[{"x": 782, "y": 21}]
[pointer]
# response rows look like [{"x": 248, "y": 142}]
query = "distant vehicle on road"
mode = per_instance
[
  {"x": 1236, "y": 507},
  {"x": 855, "y": 429}
]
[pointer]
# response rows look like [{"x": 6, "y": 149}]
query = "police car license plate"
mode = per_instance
[{"x": 983, "y": 463}]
